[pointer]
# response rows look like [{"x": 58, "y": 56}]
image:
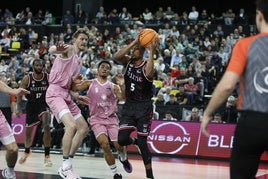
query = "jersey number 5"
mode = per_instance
[{"x": 132, "y": 87}]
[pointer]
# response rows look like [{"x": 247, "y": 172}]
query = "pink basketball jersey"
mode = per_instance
[
  {"x": 64, "y": 70},
  {"x": 103, "y": 102}
]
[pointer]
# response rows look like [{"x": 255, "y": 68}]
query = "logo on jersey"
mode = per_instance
[
  {"x": 260, "y": 80},
  {"x": 169, "y": 132}
]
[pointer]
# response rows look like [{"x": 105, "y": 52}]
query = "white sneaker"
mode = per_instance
[
  {"x": 6, "y": 176},
  {"x": 47, "y": 162},
  {"x": 68, "y": 174}
]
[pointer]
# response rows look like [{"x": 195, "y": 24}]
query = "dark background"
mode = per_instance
[{"x": 135, "y": 7}]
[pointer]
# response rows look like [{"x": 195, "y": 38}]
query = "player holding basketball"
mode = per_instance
[
  {"x": 65, "y": 69},
  {"x": 248, "y": 65},
  {"x": 138, "y": 109},
  {"x": 103, "y": 97},
  {"x": 6, "y": 134},
  {"x": 36, "y": 109}
]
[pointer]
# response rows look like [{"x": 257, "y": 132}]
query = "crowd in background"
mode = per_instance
[{"x": 188, "y": 63}]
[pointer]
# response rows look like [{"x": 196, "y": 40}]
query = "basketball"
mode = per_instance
[{"x": 147, "y": 36}]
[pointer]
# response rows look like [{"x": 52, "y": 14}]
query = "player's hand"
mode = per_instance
[
  {"x": 84, "y": 100},
  {"x": 78, "y": 79},
  {"x": 20, "y": 91},
  {"x": 62, "y": 47},
  {"x": 204, "y": 124}
]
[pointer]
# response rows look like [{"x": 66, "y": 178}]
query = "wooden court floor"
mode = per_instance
[{"x": 89, "y": 167}]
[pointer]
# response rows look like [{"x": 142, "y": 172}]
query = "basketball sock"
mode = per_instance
[
  {"x": 71, "y": 157},
  {"x": 10, "y": 170},
  {"x": 113, "y": 168},
  {"x": 149, "y": 173},
  {"x": 123, "y": 154},
  {"x": 65, "y": 163},
  {"x": 47, "y": 150},
  {"x": 27, "y": 150}
]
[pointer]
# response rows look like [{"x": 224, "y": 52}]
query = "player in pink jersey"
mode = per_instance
[
  {"x": 103, "y": 97},
  {"x": 6, "y": 135},
  {"x": 59, "y": 98}
]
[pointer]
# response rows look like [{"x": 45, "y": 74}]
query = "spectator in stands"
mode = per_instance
[
  {"x": 217, "y": 118},
  {"x": 68, "y": 18},
  {"x": 101, "y": 16},
  {"x": 219, "y": 32},
  {"x": 159, "y": 14},
  {"x": 5, "y": 41},
  {"x": 3, "y": 66},
  {"x": 113, "y": 17},
  {"x": 169, "y": 117},
  {"x": 242, "y": 17},
  {"x": 193, "y": 16},
  {"x": 184, "y": 18},
  {"x": 182, "y": 97},
  {"x": 160, "y": 104},
  {"x": 203, "y": 17},
  {"x": 81, "y": 17},
  {"x": 169, "y": 13},
  {"x": 194, "y": 116},
  {"x": 29, "y": 19},
  {"x": 229, "y": 17},
  {"x": 124, "y": 15},
  {"x": 192, "y": 89},
  {"x": 147, "y": 16},
  {"x": 39, "y": 17},
  {"x": 48, "y": 17},
  {"x": 229, "y": 112},
  {"x": 19, "y": 17}
]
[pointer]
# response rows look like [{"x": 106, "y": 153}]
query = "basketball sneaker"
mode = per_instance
[
  {"x": 47, "y": 162},
  {"x": 126, "y": 165},
  {"x": 68, "y": 174},
  {"x": 24, "y": 157},
  {"x": 117, "y": 176},
  {"x": 6, "y": 176}
]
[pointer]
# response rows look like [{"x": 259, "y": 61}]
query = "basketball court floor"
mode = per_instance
[{"x": 94, "y": 167}]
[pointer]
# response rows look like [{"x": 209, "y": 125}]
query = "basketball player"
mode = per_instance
[
  {"x": 36, "y": 109},
  {"x": 103, "y": 97},
  {"x": 138, "y": 109},
  {"x": 6, "y": 135},
  {"x": 248, "y": 66},
  {"x": 65, "y": 69}
]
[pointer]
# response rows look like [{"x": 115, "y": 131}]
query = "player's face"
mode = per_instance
[
  {"x": 104, "y": 70},
  {"x": 81, "y": 42},
  {"x": 137, "y": 52},
  {"x": 38, "y": 67}
]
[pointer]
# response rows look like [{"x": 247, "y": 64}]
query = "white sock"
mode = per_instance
[
  {"x": 66, "y": 164},
  {"x": 10, "y": 171},
  {"x": 123, "y": 154},
  {"x": 113, "y": 168}
]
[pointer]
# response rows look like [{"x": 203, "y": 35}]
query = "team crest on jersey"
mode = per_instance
[
  {"x": 103, "y": 97},
  {"x": 96, "y": 90}
]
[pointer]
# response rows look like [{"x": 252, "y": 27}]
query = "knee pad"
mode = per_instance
[{"x": 123, "y": 138}]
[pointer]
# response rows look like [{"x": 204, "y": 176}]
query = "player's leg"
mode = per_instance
[
  {"x": 45, "y": 117},
  {"x": 8, "y": 140},
  {"x": 27, "y": 144}
]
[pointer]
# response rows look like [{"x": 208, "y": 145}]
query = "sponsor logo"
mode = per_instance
[{"x": 169, "y": 138}]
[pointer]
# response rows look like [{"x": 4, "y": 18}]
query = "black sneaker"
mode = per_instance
[
  {"x": 117, "y": 176},
  {"x": 127, "y": 166}
]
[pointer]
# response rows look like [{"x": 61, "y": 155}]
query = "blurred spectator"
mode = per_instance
[
  {"x": 229, "y": 112},
  {"x": 101, "y": 16},
  {"x": 194, "y": 116},
  {"x": 68, "y": 18},
  {"x": 192, "y": 89},
  {"x": 216, "y": 118},
  {"x": 124, "y": 15},
  {"x": 147, "y": 16},
  {"x": 169, "y": 117},
  {"x": 81, "y": 17},
  {"x": 182, "y": 97},
  {"x": 47, "y": 18},
  {"x": 193, "y": 16},
  {"x": 242, "y": 17},
  {"x": 229, "y": 17},
  {"x": 159, "y": 14}
]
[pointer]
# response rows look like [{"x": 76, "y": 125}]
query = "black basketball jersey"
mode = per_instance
[
  {"x": 138, "y": 86},
  {"x": 37, "y": 89}
]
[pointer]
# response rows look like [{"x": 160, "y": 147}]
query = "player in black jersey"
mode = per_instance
[
  {"x": 36, "y": 109},
  {"x": 138, "y": 109}
]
